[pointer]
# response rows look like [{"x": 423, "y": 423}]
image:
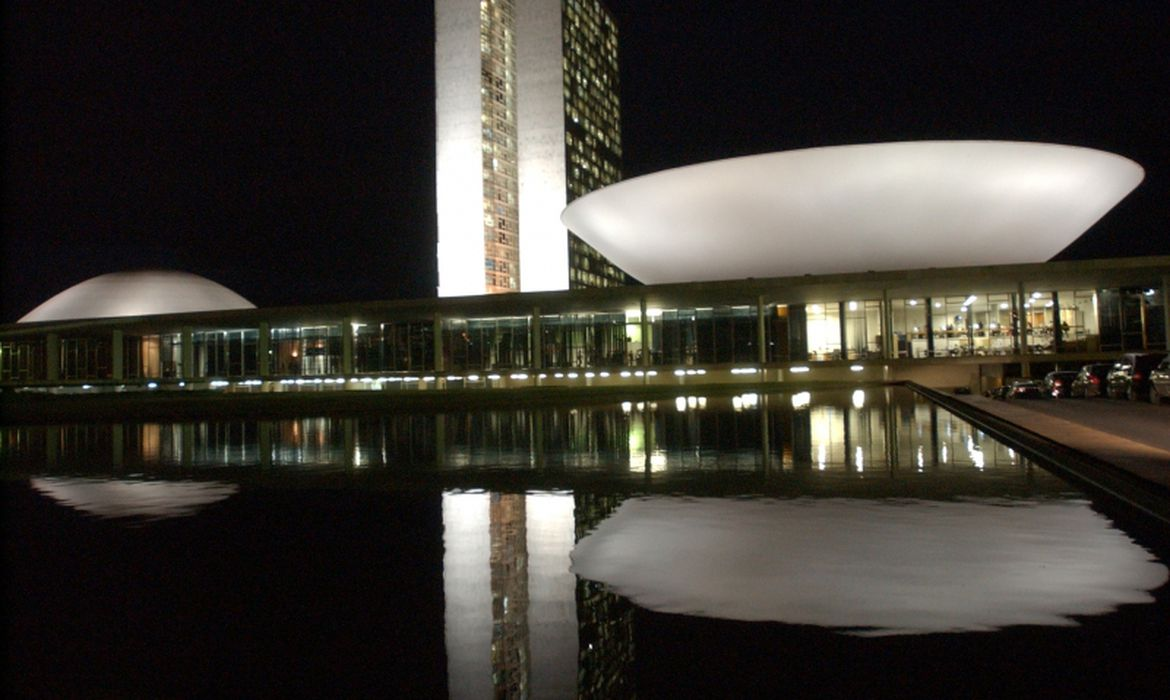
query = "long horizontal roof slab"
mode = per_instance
[{"x": 885, "y": 206}]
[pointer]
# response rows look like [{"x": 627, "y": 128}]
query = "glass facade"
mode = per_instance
[
  {"x": 500, "y": 177},
  {"x": 593, "y": 136},
  {"x": 1006, "y": 324}
]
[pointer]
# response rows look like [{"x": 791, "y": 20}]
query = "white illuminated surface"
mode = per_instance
[
  {"x": 458, "y": 154},
  {"x": 467, "y": 593},
  {"x": 869, "y": 567},
  {"x": 853, "y": 208},
  {"x": 152, "y": 500},
  {"x": 551, "y": 620},
  {"x": 138, "y": 293}
]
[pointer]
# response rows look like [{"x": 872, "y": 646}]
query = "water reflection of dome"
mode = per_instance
[
  {"x": 117, "y": 498},
  {"x": 138, "y": 293},
  {"x": 870, "y": 567}
]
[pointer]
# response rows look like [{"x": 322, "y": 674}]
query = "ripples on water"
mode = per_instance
[{"x": 598, "y": 551}]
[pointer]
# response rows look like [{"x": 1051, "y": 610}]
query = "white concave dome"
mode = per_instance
[
  {"x": 837, "y": 209},
  {"x": 138, "y": 293}
]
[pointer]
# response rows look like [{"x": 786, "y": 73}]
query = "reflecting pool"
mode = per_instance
[{"x": 860, "y": 542}]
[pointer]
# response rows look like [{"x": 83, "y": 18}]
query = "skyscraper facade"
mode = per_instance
[{"x": 527, "y": 119}]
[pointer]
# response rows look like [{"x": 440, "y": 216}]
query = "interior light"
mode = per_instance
[
  {"x": 679, "y": 372},
  {"x": 859, "y": 398},
  {"x": 801, "y": 400},
  {"x": 815, "y": 308},
  {"x": 913, "y": 302},
  {"x": 1003, "y": 305},
  {"x": 853, "y": 306},
  {"x": 855, "y": 368},
  {"x": 798, "y": 370},
  {"x": 1035, "y": 295},
  {"x": 970, "y": 300},
  {"x": 680, "y": 404},
  {"x": 938, "y": 304}
]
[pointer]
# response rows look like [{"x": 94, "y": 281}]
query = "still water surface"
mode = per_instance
[{"x": 840, "y": 543}]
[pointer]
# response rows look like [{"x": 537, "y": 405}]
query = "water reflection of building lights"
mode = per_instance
[
  {"x": 801, "y": 399},
  {"x": 859, "y": 398}
]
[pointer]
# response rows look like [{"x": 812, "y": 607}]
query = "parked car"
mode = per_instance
[
  {"x": 999, "y": 392},
  {"x": 1130, "y": 376},
  {"x": 1091, "y": 380},
  {"x": 1160, "y": 381},
  {"x": 1026, "y": 389},
  {"x": 1059, "y": 384}
]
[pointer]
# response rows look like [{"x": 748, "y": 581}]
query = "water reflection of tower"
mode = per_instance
[
  {"x": 605, "y": 621},
  {"x": 509, "y": 581}
]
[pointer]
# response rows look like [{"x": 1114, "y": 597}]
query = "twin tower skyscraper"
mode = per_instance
[{"x": 527, "y": 119}]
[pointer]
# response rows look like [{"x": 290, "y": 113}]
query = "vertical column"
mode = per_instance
[
  {"x": 761, "y": 334},
  {"x": 263, "y": 343},
  {"x": 645, "y": 333},
  {"x": 842, "y": 329},
  {"x": 187, "y": 348},
  {"x": 929, "y": 327},
  {"x": 1166, "y": 311},
  {"x": 1021, "y": 320},
  {"x": 437, "y": 340},
  {"x": 118, "y": 355},
  {"x": 888, "y": 347},
  {"x": 536, "y": 340},
  {"x": 117, "y": 445},
  {"x": 347, "y": 331},
  {"x": 52, "y": 357},
  {"x": 1057, "y": 332}
]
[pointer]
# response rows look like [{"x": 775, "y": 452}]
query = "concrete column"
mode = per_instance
[
  {"x": 929, "y": 327},
  {"x": 52, "y": 357},
  {"x": 1021, "y": 320},
  {"x": 263, "y": 345},
  {"x": 761, "y": 335},
  {"x": 842, "y": 328},
  {"x": 1057, "y": 333},
  {"x": 536, "y": 340},
  {"x": 118, "y": 355},
  {"x": 887, "y": 325},
  {"x": 187, "y": 348},
  {"x": 347, "y": 345},
  {"x": 645, "y": 333},
  {"x": 437, "y": 334},
  {"x": 1166, "y": 310}
]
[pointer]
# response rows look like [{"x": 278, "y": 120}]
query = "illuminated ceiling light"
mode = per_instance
[
  {"x": 801, "y": 369},
  {"x": 1003, "y": 305},
  {"x": 853, "y": 306},
  {"x": 970, "y": 300},
  {"x": 1036, "y": 295},
  {"x": 856, "y": 368},
  {"x": 938, "y": 304},
  {"x": 801, "y": 400},
  {"x": 859, "y": 398},
  {"x": 913, "y": 302}
]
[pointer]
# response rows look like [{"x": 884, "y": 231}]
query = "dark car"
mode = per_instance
[
  {"x": 1130, "y": 376},
  {"x": 999, "y": 392},
  {"x": 1059, "y": 384},
  {"x": 1091, "y": 380},
  {"x": 1160, "y": 382},
  {"x": 1026, "y": 389}
]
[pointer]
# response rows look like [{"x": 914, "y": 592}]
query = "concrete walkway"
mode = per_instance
[{"x": 1127, "y": 450}]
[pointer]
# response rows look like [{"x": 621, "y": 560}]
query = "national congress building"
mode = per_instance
[{"x": 868, "y": 262}]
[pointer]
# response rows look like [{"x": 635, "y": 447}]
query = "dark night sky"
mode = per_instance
[{"x": 286, "y": 150}]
